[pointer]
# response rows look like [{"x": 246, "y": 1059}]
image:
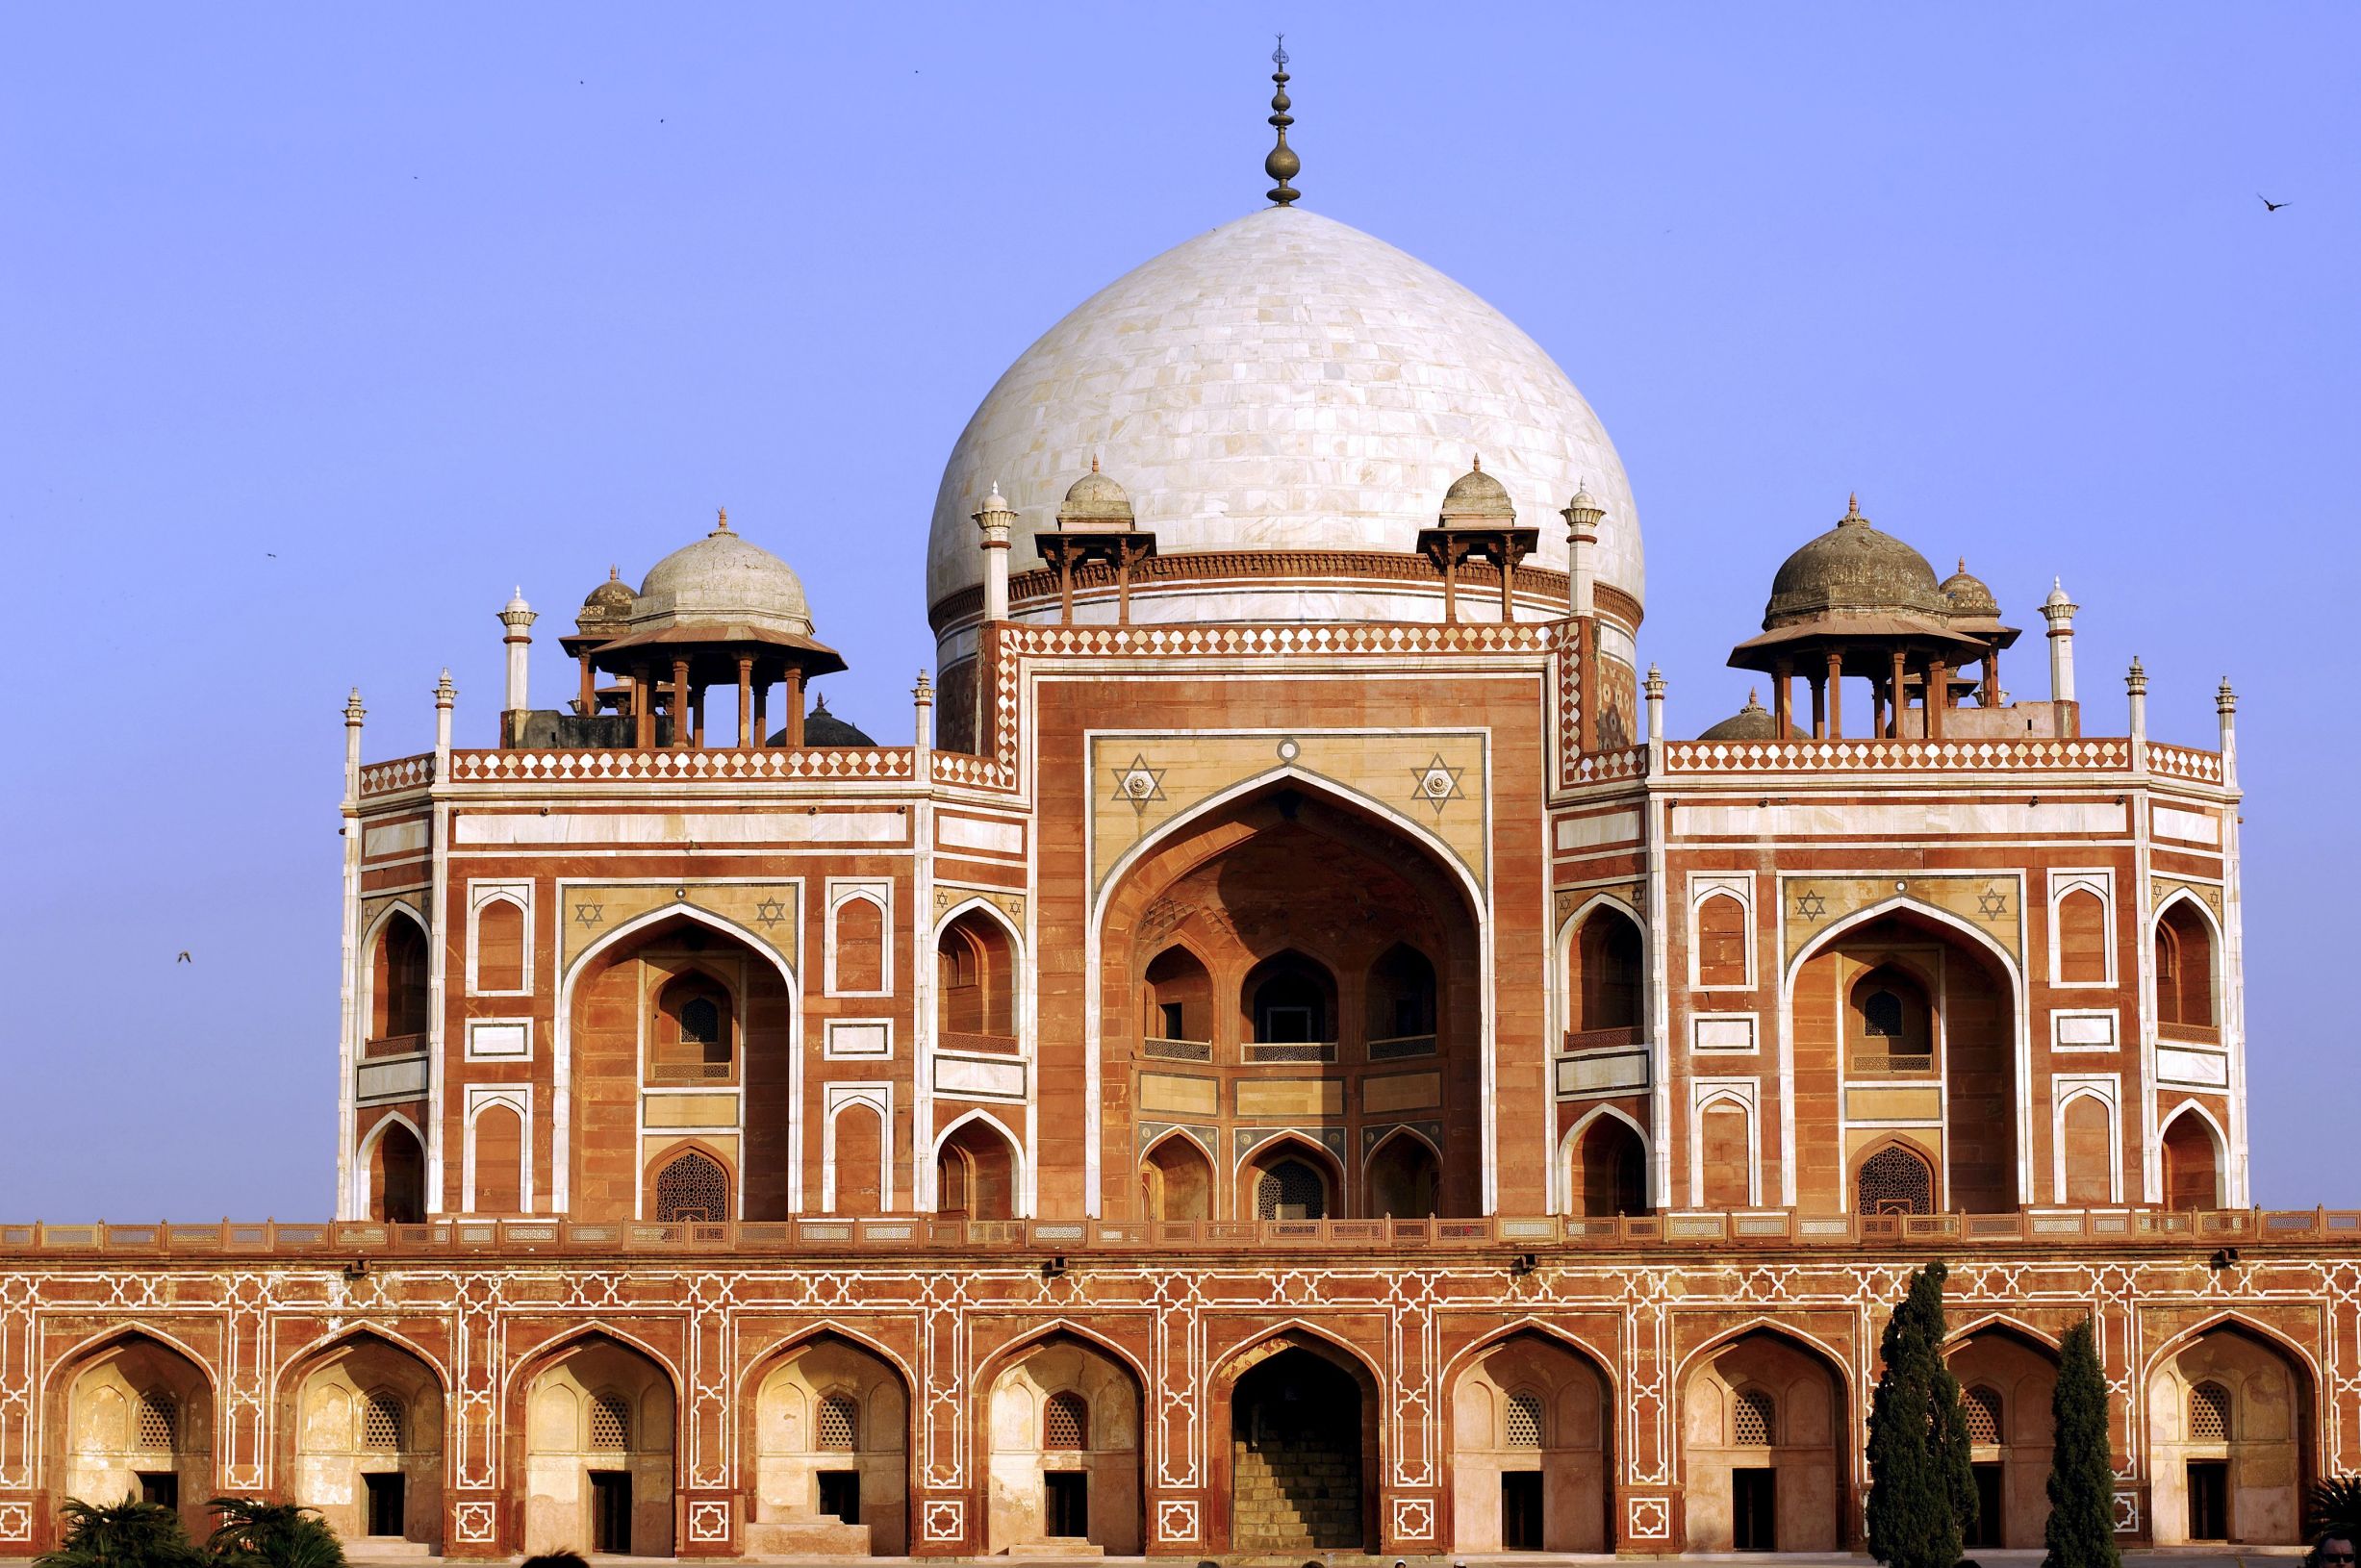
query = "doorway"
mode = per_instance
[
  {"x": 2209, "y": 1499},
  {"x": 1295, "y": 1472},
  {"x": 1520, "y": 1510},
  {"x": 611, "y": 1511},
  {"x": 161, "y": 1487},
  {"x": 840, "y": 1495},
  {"x": 1986, "y": 1530},
  {"x": 1754, "y": 1510},
  {"x": 1066, "y": 1503},
  {"x": 384, "y": 1502}
]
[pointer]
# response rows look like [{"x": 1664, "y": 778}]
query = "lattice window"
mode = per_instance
[
  {"x": 610, "y": 1424},
  {"x": 1757, "y": 1422},
  {"x": 1290, "y": 1190},
  {"x": 1065, "y": 1424},
  {"x": 381, "y": 1421},
  {"x": 701, "y": 1021},
  {"x": 2209, "y": 1414},
  {"x": 1880, "y": 1015},
  {"x": 1893, "y": 1180},
  {"x": 1983, "y": 1407},
  {"x": 691, "y": 1188},
  {"x": 159, "y": 1420},
  {"x": 840, "y": 1423},
  {"x": 1524, "y": 1421}
]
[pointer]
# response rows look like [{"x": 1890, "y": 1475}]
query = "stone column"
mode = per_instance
[
  {"x": 746, "y": 701},
  {"x": 995, "y": 520},
  {"x": 518, "y": 618},
  {"x": 2059, "y": 611},
  {"x": 683, "y": 726},
  {"x": 1836, "y": 696}
]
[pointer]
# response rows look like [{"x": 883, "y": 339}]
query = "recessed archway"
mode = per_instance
[
  {"x": 596, "y": 1471},
  {"x": 2007, "y": 1378},
  {"x": 1531, "y": 1456},
  {"x": 1343, "y": 963},
  {"x": 1763, "y": 1446},
  {"x": 138, "y": 1422},
  {"x": 827, "y": 1432},
  {"x": 361, "y": 1439},
  {"x": 2229, "y": 1426},
  {"x": 1063, "y": 1428},
  {"x": 1302, "y": 1453},
  {"x": 2193, "y": 1162}
]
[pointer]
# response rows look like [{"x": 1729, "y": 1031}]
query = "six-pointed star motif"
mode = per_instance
[
  {"x": 1140, "y": 784},
  {"x": 770, "y": 912},
  {"x": 1992, "y": 903},
  {"x": 1436, "y": 784},
  {"x": 588, "y": 914},
  {"x": 1811, "y": 905}
]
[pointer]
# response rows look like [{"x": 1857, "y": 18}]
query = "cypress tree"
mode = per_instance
[
  {"x": 2081, "y": 1529},
  {"x": 1923, "y": 1491}
]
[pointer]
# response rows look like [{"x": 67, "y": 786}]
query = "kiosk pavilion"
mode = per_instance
[{"x": 1283, "y": 1051}]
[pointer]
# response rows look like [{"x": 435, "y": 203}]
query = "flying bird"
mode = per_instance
[
  {"x": 184, "y": 957},
  {"x": 2269, "y": 206}
]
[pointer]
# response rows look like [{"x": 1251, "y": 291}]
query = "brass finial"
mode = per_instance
[
  {"x": 1477, "y": 462},
  {"x": 1094, "y": 462},
  {"x": 1852, "y": 510},
  {"x": 720, "y": 524},
  {"x": 614, "y": 573},
  {"x": 1281, "y": 164}
]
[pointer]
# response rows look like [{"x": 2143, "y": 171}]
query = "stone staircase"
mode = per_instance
[{"x": 1294, "y": 1496}]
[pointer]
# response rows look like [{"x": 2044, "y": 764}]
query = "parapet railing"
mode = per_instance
[
  {"x": 2026, "y": 755},
  {"x": 1750, "y": 1228}
]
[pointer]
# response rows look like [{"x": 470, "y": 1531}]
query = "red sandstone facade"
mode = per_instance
[{"x": 1338, "y": 1082}]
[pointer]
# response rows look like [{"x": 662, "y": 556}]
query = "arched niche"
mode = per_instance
[
  {"x": 1607, "y": 1171},
  {"x": 1531, "y": 1459},
  {"x": 1177, "y": 1179},
  {"x": 1302, "y": 1456},
  {"x": 1764, "y": 1448},
  {"x": 1317, "y": 924},
  {"x": 976, "y": 981},
  {"x": 138, "y": 1422},
  {"x": 976, "y": 1173},
  {"x": 2192, "y": 1163},
  {"x": 396, "y": 1165},
  {"x": 1290, "y": 1179},
  {"x": 1063, "y": 1429},
  {"x": 1402, "y": 1179},
  {"x": 2229, "y": 1426},
  {"x": 361, "y": 1440},
  {"x": 829, "y": 1440},
  {"x": 2012, "y": 1377},
  {"x": 398, "y": 983},
  {"x": 1971, "y": 1030},
  {"x": 2184, "y": 942},
  {"x": 626, "y": 1004},
  {"x": 598, "y": 1417},
  {"x": 1606, "y": 979}
]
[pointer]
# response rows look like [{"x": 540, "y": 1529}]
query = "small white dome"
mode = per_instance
[
  {"x": 1282, "y": 383},
  {"x": 723, "y": 577}
]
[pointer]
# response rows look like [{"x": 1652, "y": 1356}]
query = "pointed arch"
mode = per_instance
[
  {"x": 2217, "y": 1151},
  {"x": 1761, "y": 1323},
  {"x": 2162, "y": 928},
  {"x": 299, "y": 1364},
  {"x": 1374, "y": 1179},
  {"x": 1572, "y": 1143},
  {"x": 530, "y": 1364},
  {"x": 2002, "y": 1323},
  {"x": 561, "y": 1046},
  {"x": 69, "y": 1363},
  {"x": 992, "y": 1366},
  {"x": 2020, "y": 1026},
  {"x": 1298, "y": 1334},
  {"x": 758, "y": 1366},
  {"x": 1471, "y": 882},
  {"x": 1539, "y": 1328},
  {"x": 381, "y": 1015},
  {"x": 1174, "y": 1153},
  {"x": 1900, "y": 1182},
  {"x": 364, "y": 1187},
  {"x": 1276, "y": 1150},
  {"x": 2232, "y": 1318},
  {"x": 1019, "y": 1184}
]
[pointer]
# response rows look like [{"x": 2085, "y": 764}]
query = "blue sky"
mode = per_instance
[{"x": 322, "y": 327}]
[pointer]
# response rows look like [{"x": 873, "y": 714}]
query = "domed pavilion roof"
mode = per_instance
[
  {"x": 1751, "y": 723},
  {"x": 1282, "y": 383},
  {"x": 1855, "y": 567}
]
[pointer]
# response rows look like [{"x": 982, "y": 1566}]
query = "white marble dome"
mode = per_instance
[{"x": 1282, "y": 383}]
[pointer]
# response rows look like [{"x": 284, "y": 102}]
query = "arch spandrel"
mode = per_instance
[
  {"x": 1994, "y": 905},
  {"x": 1434, "y": 781},
  {"x": 767, "y": 911},
  {"x": 2162, "y": 890}
]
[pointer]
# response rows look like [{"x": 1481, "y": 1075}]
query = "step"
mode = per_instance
[{"x": 814, "y": 1535}]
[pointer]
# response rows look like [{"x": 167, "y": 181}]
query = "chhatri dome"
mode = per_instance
[{"x": 1282, "y": 383}]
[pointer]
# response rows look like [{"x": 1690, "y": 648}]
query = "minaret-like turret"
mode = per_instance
[
  {"x": 2059, "y": 611},
  {"x": 518, "y": 618},
  {"x": 995, "y": 520}
]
